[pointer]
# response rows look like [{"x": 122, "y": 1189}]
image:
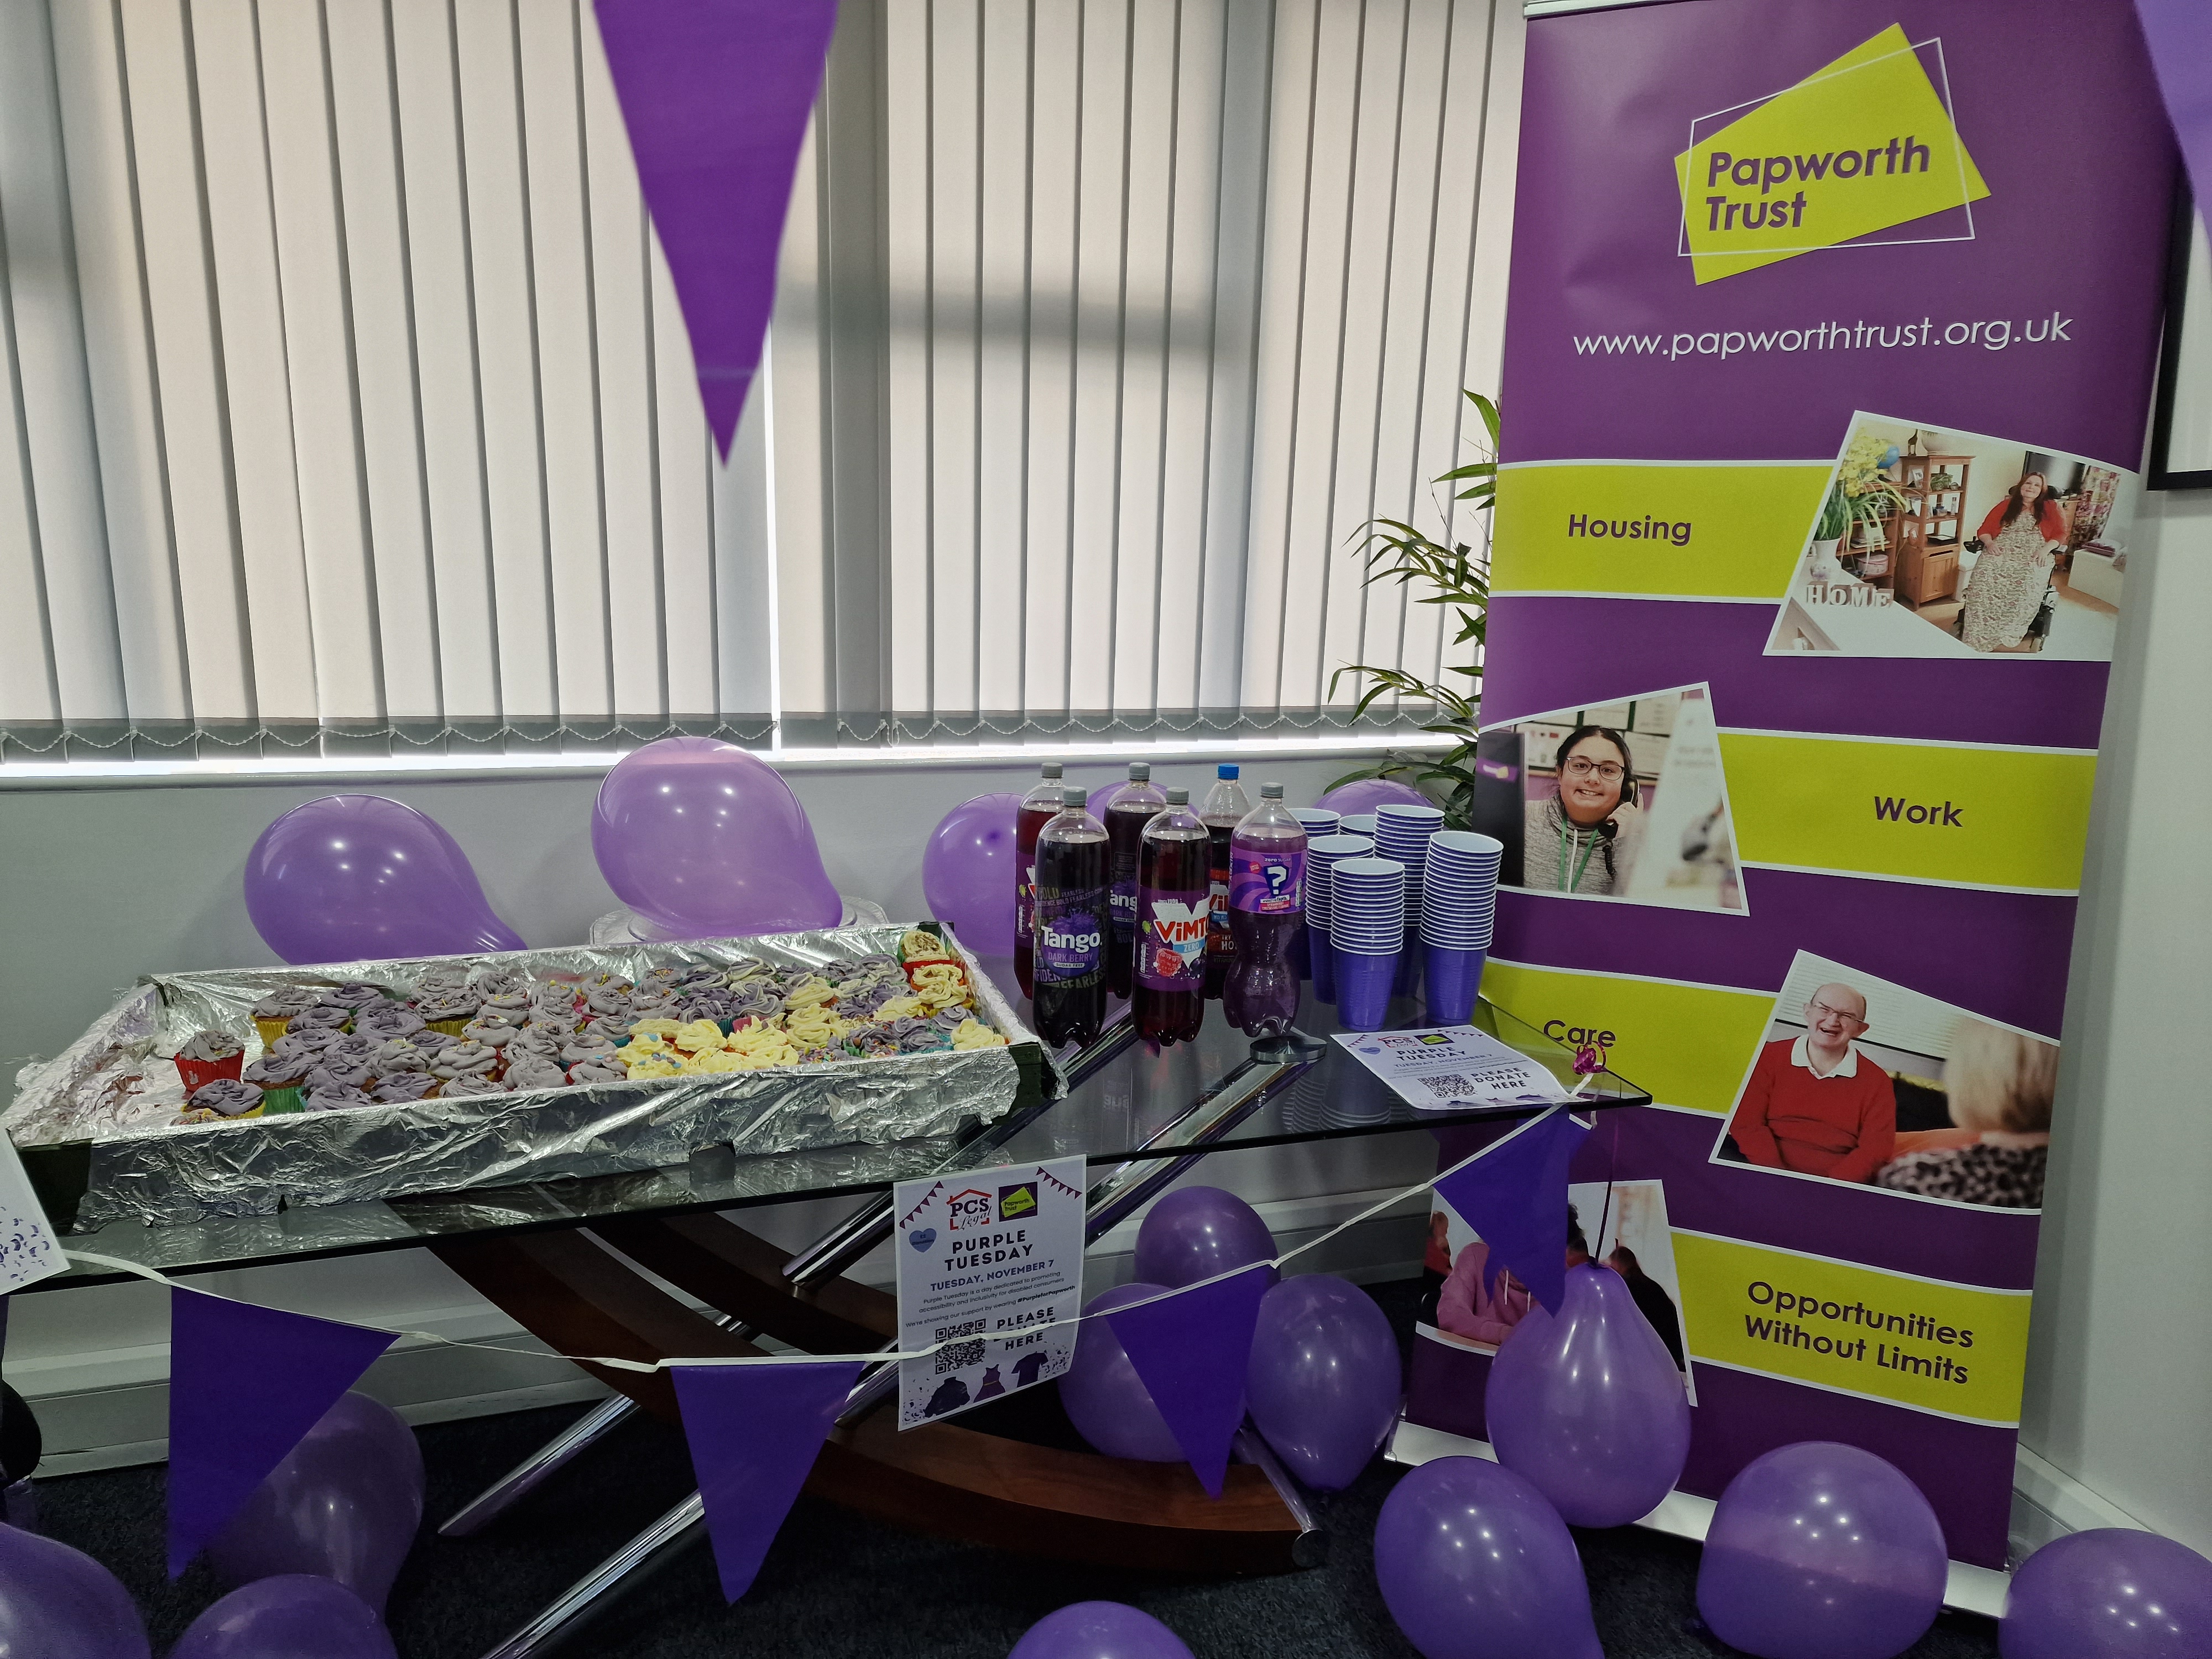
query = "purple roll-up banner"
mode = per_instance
[
  {"x": 715, "y": 95},
  {"x": 2180, "y": 36},
  {"x": 246, "y": 1383},
  {"x": 1191, "y": 1350},
  {"x": 1825, "y": 386},
  {"x": 754, "y": 1431}
]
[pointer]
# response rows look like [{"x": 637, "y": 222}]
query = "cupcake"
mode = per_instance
[
  {"x": 467, "y": 1058},
  {"x": 351, "y": 1045},
  {"x": 543, "y": 1045},
  {"x": 609, "y": 1070},
  {"x": 508, "y": 993},
  {"x": 528, "y": 1071},
  {"x": 357, "y": 995},
  {"x": 587, "y": 1046},
  {"x": 552, "y": 997},
  {"x": 337, "y": 1100},
  {"x": 210, "y": 1056},
  {"x": 310, "y": 1045},
  {"x": 401, "y": 1055},
  {"x": 279, "y": 1078},
  {"x": 386, "y": 1020},
  {"x": 227, "y": 1096},
  {"x": 447, "y": 1011},
  {"x": 324, "y": 1016},
  {"x": 461, "y": 1087},
  {"x": 400, "y": 1088},
  {"x": 489, "y": 1027},
  {"x": 442, "y": 976},
  {"x": 610, "y": 1004},
  {"x": 341, "y": 1074}
]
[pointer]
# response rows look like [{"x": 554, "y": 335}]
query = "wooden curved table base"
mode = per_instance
[{"x": 940, "y": 1479}]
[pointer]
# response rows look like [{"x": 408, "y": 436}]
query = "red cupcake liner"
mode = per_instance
[{"x": 198, "y": 1073}]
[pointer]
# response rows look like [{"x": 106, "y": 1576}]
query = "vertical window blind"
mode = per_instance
[{"x": 349, "y": 407}]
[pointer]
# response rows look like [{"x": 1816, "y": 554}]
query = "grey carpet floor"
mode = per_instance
[{"x": 837, "y": 1587}]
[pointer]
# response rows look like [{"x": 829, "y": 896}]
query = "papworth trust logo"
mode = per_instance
[{"x": 1862, "y": 150}]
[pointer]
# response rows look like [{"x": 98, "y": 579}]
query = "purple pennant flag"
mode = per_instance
[
  {"x": 246, "y": 1384},
  {"x": 1513, "y": 1194},
  {"x": 2180, "y": 36},
  {"x": 754, "y": 1431},
  {"x": 715, "y": 95},
  {"x": 1191, "y": 1351}
]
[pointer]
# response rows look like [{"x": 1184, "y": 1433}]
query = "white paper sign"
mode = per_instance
[
  {"x": 30, "y": 1251},
  {"x": 1452, "y": 1067},
  {"x": 988, "y": 1260}
]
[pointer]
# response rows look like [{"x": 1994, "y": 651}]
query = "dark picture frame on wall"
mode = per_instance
[{"x": 2181, "y": 415}]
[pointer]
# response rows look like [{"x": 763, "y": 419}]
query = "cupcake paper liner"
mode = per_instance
[{"x": 197, "y": 1072}]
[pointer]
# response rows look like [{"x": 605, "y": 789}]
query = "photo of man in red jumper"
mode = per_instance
[{"x": 1815, "y": 1104}]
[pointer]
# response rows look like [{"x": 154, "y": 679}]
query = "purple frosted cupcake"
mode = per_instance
[
  {"x": 399, "y": 1088},
  {"x": 460, "y": 1088},
  {"x": 489, "y": 1027},
  {"x": 467, "y": 1058},
  {"x": 402, "y": 1054},
  {"x": 609, "y": 1070},
  {"x": 609, "y": 1004},
  {"x": 350, "y": 1045},
  {"x": 279, "y": 1078},
  {"x": 651, "y": 1004},
  {"x": 227, "y": 1096},
  {"x": 387, "y": 1020},
  {"x": 337, "y": 1100},
  {"x": 543, "y": 1045},
  {"x": 587, "y": 1046},
  {"x": 210, "y": 1056},
  {"x": 310, "y": 1045},
  {"x": 528, "y": 1071},
  {"x": 358, "y": 994},
  {"x": 447, "y": 1011},
  {"x": 338, "y": 1074},
  {"x": 324, "y": 1016}
]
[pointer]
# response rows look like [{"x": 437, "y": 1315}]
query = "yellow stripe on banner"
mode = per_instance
[
  {"x": 1687, "y": 1044},
  {"x": 1669, "y": 531},
  {"x": 1990, "y": 817},
  {"x": 1957, "y": 1349}
]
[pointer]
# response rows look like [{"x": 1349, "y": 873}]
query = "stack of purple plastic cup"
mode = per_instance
[
  {"x": 1314, "y": 821},
  {"x": 1367, "y": 935},
  {"x": 1459, "y": 903},
  {"x": 1322, "y": 854},
  {"x": 1402, "y": 832}
]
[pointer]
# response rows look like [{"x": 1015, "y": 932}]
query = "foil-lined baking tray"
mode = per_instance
[{"x": 94, "y": 1125}]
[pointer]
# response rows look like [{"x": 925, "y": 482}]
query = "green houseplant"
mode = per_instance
[{"x": 1460, "y": 578}]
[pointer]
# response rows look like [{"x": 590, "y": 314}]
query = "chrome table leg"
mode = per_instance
[
  {"x": 525, "y": 1477},
  {"x": 662, "y": 1541}
]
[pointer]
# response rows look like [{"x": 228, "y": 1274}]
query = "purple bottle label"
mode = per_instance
[
  {"x": 1171, "y": 954},
  {"x": 1071, "y": 937},
  {"x": 1268, "y": 882},
  {"x": 1026, "y": 902},
  {"x": 1124, "y": 901}
]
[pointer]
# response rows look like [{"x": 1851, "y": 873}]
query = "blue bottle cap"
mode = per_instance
[{"x": 1224, "y": 771}]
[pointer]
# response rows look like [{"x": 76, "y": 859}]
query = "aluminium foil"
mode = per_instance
[{"x": 106, "y": 1090}]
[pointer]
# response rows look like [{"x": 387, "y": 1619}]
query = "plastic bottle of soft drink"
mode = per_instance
[
  {"x": 1224, "y": 808},
  {"x": 1128, "y": 809},
  {"x": 1175, "y": 907},
  {"x": 1038, "y": 808},
  {"x": 1072, "y": 926},
  {"x": 1266, "y": 908}
]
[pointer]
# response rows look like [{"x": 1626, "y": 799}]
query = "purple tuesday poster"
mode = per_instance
[{"x": 1830, "y": 339}]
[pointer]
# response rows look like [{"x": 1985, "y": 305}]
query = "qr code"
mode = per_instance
[
  {"x": 967, "y": 1327},
  {"x": 958, "y": 1355},
  {"x": 1445, "y": 1088}
]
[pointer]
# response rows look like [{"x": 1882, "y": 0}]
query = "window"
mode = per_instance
[{"x": 349, "y": 408}]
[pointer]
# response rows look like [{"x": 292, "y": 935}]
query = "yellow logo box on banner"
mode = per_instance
[{"x": 1860, "y": 146}]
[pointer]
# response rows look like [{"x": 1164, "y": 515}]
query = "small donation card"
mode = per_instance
[
  {"x": 1454, "y": 1067},
  {"x": 989, "y": 1262},
  {"x": 30, "y": 1251}
]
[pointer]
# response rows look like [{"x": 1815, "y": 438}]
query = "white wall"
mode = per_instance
[{"x": 2119, "y": 1382}]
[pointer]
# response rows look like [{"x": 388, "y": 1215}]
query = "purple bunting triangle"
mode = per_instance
[
  {"x": 2179, "y": 33},
  {"x": 1191, "y": 1351},
  {"x": 246, "y": 1384},
  {"x": 715, "y": 95},
  {"x": 1513, "y": 1194},
  {"x": 754, "y": 1431}
]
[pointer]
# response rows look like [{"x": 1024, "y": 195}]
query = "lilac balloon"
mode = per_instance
[
  {"x": 1099, "y": 1630},
  {"x": 345, "y": 1506},
  {"x": 354, "y": 877},
  {"x": 1822, "y": 1551},
  {"x": 1323, "y": 1384},
  {"x": 1105, "y": 1398},
  {"x": 1587, "y": 1404},
  {"x": 1474, "y": 1565},
  {"x": 1365, "y": 794},
  {"x": 59, "y": 1603},
  {"x": 969, "y": 872},
  {"x": 707, "y": 842},
  {"x": 2109, "y": 1593},
  {"x": 295, "y": 1616},
  {"x": 1196, "y": 1232}
]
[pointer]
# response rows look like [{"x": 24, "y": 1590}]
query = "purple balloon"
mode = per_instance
[
  {"x": 1822, "y": 1551},
  {"x": 59, "y": 1603},
  {"x": 2109, "y": 1593},
  {"x": 357, "y": 878},
  {"x": 1099, "y": 1630},
  {"x": 1196, "y": 1232},
  {"x": 295, "y": 1616},
  {"x": 1588, "y": 1405},
  {"x": 345, "y": 1505},
  {"x": 969, "y": 872},
  {"x": 1323, "y": 1384},
  {"x": 1474, "y": 1565},
  {"x": 1105, "y": 1398},
  {"x": 707, "y": 841},
  {"x": 1365, "y": 794}
]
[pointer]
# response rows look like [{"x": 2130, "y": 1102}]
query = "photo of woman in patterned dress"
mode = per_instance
[{"x": 2021, "y": 538}]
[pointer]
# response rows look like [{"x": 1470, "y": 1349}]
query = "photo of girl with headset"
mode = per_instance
[{"x": 1584, "y": 839}]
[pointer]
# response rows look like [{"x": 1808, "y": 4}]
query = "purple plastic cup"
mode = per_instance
[
  {"x": 1407, "y": 980},
  {"x": 1454, "y": 979},
  {"x": 1363, "y": 990},
  {"x": 1324, "y": 964}
]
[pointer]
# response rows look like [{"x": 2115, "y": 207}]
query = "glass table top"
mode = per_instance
[{"x": 1127, "y": 1101}]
